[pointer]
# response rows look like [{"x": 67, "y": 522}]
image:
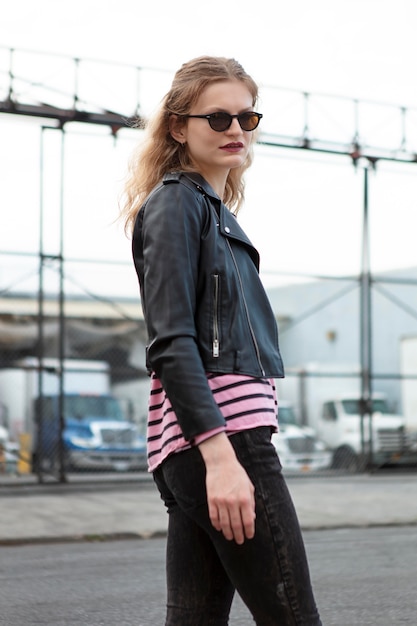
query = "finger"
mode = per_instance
[
  {"x": 214, "y": 517},
  {"x": 248, "y": 517},
  {"x": 237, "y": 527},
  {"x": 242, "y": 519},
  {"x": 225, "y": 523}
]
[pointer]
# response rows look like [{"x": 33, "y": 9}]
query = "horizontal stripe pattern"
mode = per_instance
[{"x": 244, "y": 402}]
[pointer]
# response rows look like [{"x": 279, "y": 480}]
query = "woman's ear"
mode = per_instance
[{"x": 177, "y": 129}]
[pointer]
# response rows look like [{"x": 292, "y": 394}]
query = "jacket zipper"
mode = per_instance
[
  {"x": 252, "y": 332},
  {"x": 216, "y": 346}
]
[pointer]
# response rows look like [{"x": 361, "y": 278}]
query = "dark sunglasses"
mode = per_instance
[{"x": 221, "y": 121}]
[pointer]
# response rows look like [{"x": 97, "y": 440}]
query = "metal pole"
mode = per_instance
[
  {"x": 38, "y": 408},
  {"x": 366, "y": 330},
  {"x": 11, "y": 76},
  {"x": 302, "y": 383},
  {"x": 61, "y": 342}
]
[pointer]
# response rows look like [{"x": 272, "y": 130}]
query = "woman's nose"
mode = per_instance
[{"x": 234, "y": 126}]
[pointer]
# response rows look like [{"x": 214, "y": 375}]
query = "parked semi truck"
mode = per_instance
[
  {"x": 408, "y": 353},
  {"x": 328, "y": 399},
  {"x": 78, "y": 420}
]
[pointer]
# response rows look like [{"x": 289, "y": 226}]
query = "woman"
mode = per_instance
[{"x": 212, "y": 356}]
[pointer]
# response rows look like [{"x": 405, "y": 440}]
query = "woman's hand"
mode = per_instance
[{"x": 230, "y": 493}]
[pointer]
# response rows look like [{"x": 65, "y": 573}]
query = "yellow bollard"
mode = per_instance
[
  {"x": 2, "y": 460},
  {"x": 24, "y": 464}
]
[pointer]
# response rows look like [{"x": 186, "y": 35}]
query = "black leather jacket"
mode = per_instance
[{"x": 204, "y": 305}]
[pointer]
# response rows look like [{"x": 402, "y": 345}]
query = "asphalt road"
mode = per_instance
[{"x": 362, "y": 576}]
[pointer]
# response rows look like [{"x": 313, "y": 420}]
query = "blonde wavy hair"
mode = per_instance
[{"x": 159, "y": 153}]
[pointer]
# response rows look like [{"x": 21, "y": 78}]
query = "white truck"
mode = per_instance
[
  {"x": 379, "y": 438},
  {"x": 408, "y": 356},
  {"x": 298, "y": 448},
  {"x": 85, "y": 425},
  {"x": 328, "y": 399}
]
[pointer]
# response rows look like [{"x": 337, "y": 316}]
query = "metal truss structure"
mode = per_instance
[{"x": 64, "y": 90}]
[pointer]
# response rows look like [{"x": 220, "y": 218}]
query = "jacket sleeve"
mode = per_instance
[{"x": 173, "y": 221}]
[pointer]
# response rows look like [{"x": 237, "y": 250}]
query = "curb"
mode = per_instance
[
  {"x": 83, "y": 538},
  {"x": 161, "y": 534}
]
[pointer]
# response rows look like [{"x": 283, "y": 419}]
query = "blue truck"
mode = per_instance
[{"x": 75, "y": 419}]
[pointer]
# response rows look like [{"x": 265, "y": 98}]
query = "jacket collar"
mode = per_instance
[
  {"x": 228, "y": 224},
  {"x": 197, "y": 180}
]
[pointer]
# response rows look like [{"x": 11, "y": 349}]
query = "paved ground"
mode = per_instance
[
  {"x": 361, "y": 576},
  {"x": 83, "y": 508}
]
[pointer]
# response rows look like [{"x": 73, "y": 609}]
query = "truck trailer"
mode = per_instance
[{"x": 408, "y": 354}]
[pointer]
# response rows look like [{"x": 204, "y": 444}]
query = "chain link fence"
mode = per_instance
[{"x": 74, "y": 389}]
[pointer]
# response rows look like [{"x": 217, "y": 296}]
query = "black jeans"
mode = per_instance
[{"x": 270, "y": 571}]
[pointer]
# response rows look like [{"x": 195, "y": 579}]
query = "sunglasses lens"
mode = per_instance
[
  {"x": 249, "y": 121},
  {"x": 220, "y": 121}
]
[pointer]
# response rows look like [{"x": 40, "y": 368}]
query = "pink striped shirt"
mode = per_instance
[{"x": 244, "y": 402}]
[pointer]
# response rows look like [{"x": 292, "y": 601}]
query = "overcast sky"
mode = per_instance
[
  {"x": 359, "y": 48},
  {"x": 303, "y": 211}
]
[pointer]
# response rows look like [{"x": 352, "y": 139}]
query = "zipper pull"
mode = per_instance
[{"x": 216, "y": 348}]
